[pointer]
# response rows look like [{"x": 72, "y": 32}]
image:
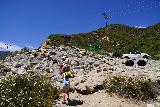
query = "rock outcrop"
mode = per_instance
[{"x": 90, "y": 69}]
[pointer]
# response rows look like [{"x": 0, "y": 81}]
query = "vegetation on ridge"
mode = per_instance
[{"x": 116, "y": 38}]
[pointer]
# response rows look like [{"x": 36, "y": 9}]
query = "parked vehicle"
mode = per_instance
[{"x": 135, "y": 55}]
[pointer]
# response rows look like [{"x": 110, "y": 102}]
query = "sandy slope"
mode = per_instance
[{"x": 100, "y": 99}]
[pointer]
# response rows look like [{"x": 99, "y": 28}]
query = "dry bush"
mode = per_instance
[{"x": 139, "y": 88}]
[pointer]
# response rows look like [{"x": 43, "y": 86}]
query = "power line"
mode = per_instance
[
  {"x": 124, "y": 7},
  {"x": 132, "y": 8}
]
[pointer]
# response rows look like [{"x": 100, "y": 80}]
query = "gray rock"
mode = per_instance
[
  {"x": 96, "y": 64},
  {"x": 49, "y": 58},
  {"x": 18, "y": 65},
  {"x": 158, "y": 98},
  {"x": 75, "y": 62},
  {"x": 54, "y": 61},
  {"x": 112, "y": 69},
  {"x": 52, "y": 53},
  {"x": 150, "y": 105},
  {"x": 105, "y": 69},
  {"x": 99, "y": 70}
]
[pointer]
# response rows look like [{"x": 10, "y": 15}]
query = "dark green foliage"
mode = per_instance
[
  {"x": 23, "y": 50},
  {"x": 94, "y": 47},
  {"x": 27, "y": 91},
  {"x": 157, "y": 56},
  {"x": 117, "y": 54},
  {"x": 117, "y": 38},
  {"x": 138, "y": 88},
  {"x": 14, "y": 53},
  {"x": 55, "y": 39}
]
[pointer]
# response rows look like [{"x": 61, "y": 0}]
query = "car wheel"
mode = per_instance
[{"x": 126, "y": 57}]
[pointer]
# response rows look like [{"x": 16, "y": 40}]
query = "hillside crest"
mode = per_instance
[{"x": 114, "y": 38}]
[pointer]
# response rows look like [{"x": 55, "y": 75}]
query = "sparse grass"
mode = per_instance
[
  {"x": 117, "y": 54},
  {"x": 101, "y": 52},
  {"x": 157, "y": 57},
  {"x": 139, "y": 88},
  {"x": 27, "y": 91},
  {"x": 89, "y": 90}
]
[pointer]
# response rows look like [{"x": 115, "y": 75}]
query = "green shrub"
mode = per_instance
[
  {"x": 117, "y": 54},
  {"x": 13, "y": 53},
  {"x": 156, "y": 57},
  {"x": 23, "y": 50},
  {"x": 138, "y": 88},
  {"x": 117, "y": 39},
  {"x": 89, "y": 89},
  {"x": 27, "y": 91},
  {"x": 101, "y": 52}
]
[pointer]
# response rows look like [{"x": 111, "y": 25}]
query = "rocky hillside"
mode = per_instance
[
  {"x": 91, "y": 71},
  {"x": 116, "y": 39}
]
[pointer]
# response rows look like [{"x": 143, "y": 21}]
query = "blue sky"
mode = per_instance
[{"x": 29, "y": 22}]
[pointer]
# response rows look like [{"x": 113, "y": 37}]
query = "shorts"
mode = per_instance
[{"x": 66, "y": 83}]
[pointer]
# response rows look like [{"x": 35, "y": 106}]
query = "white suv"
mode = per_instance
[{"x": 135, "y": 55}]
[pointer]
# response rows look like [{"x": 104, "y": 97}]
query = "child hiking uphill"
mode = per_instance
[{"x": 66, "y": 83}]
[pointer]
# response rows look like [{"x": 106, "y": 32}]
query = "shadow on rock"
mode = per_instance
[{"x": 75, "y": 103}]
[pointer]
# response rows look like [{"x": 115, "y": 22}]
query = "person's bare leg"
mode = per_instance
[
  {"x": 64, "y": 95},
  {"x": 68, "y": 94}
]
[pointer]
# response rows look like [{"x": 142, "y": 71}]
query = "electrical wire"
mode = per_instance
[{"x": 133, "y": 7}]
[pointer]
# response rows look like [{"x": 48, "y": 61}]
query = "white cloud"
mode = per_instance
[
  {"x": 29, "y": 46},
  {"x": 9, "y": 47},
  {"x": 140, "y": 27}
]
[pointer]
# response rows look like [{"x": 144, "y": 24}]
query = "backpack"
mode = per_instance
[{"x": 68, "y": 74}]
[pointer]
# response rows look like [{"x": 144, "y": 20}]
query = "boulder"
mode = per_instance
[
  {"x": 105, "y": 69},
  {"x": 18, "y": 65},
  {"x": 54, "y": 61},
  {"x": 158, "y": 98},
  {"x": 33, "y": 63},
  {"x": 99, "y": 70},
  {"x": 82, "y": 52},
  {"x": 49, "y": 57},
  {"x": 96, "y": 64},
  {"x": 52, "y": 53},
  {"x": 75, "y": 62}
]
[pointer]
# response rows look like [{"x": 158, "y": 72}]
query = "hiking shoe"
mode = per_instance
[
  {"x": 63, "y": 102},
  {"x": 68, "y": 99}
]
